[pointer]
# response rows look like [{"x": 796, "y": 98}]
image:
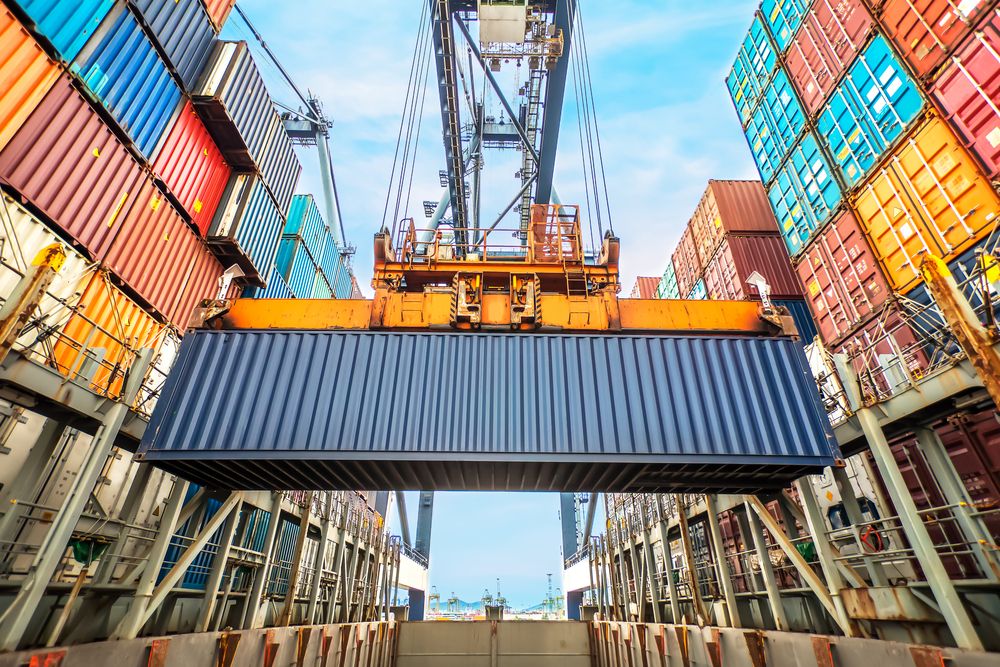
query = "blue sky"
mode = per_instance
[{"x": 667, "y": 126}]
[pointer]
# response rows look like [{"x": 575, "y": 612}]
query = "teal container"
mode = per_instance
[
  {"x": 754, "y": 66},
  {"x": 295, "y": 264},
  {"x": 776, "y": 126},
  {"x": 783, "y": 18},
  {"x": 698, "y": 292},
  {"x": 668, "y": 284},
  {"x": 871, "y": 108},
  {"x": 804, "y": 194},
  {"x": 321, "y": 288},
  {"x": 306, "y": 222},
  {"x": 65, "y": 24}
]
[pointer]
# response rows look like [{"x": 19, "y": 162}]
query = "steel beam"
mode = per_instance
[
  {"x": 588, "y": 526},
  {"x": 876, "y": 570},
  {"x": 16, "y": 618},
  {"x": 654, "y": 586},
  {"x": 285, "y": 618},
  {"x": 567, "y": 521},
  {"x": 218, "y": 570},
  {"x": 252, "y": 617},
  {"x": 766, "y": 569},
  {"x": 22, "y": 302},
  {"x": 688, "y": 551},
  {"x": 721, "y": 564},
  {"x": 314, "y": 585},
  {"x": 404, "y": 520},
  {"x": 425, "y": 517},
  {"x": 555, "y": 96},
  {"x": 668, "y": 563},
  {"x": 130, "y": 509}
]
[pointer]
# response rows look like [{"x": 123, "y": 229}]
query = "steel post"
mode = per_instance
[
  {"x": 314, "y": 585},
  {"x": 293, "y": 577},
  {"x": 252, "y": 617},
  {"x": 876, "y": 570},
  {"x": 17, "y": 616},
  {"x": 22, "y": 302},
  {"x": 668, "y": 563},
  {"x": 404, "y": 519},
  {"x": 654, "y": 586},
  {"x": 767, "y": 571},
  {"x": 721, "y": 563},
  {"x": 218, "y": 570},
  {"x": 130, "y": 509},
  {"x": 688, "y": 551}
]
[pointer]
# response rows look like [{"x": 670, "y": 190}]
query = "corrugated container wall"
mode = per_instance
[
  {"x": 698, "y": 292},
  {"x": 686, "y": 264},
  {"x": 730, "y": 207},
  {"x": 775, "y": 126},
  {"x": 668, "y": 283},
  {"x": 184, "y": 33},
  {"x": 66, "y": 24},
  {"x": 297, "y": 267},
  {"x": 645, "y": 288},
  {"x": 26, "y": 75},
  {"x": 66, "y": 162},
  {"x": 124, "y": 72},
  {"x": 306, "y": 222},
  {"x": 869, "y": 110},
  {"x": 248, "y": 225},
  {"x": 783, "y": 18},
  {"x": 159, "y": 257},
  {"x": 279, "y": 165},
  {"x": 321, "y": 288},
  {"x": 830, "y": 37},
  {"x": 843, "y": 282},
  {"x": 739, "y": 257},
  {"x": 755, "y": 63},
  {"x": 218, "y": 11},
  {"x": 929, "y": 197},
  {"x": 803, "y": 319},
  {"x": 925, "y": 32},
  {"x": 968, "y": 92},
  {"x": 276, "y": 288},
  {"x": 192, "y": 168}
]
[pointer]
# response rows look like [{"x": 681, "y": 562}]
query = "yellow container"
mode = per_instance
[
  {"x": 101, "y": 340},
  {"x": 927, "y": 197},
  {"x": 26, "y": 74}
]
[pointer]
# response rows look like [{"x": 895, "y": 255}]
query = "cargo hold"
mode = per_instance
[{"x": 265, "y": 410}]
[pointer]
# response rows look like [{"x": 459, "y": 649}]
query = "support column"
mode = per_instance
[
  {"x": 293, "y": 576},
  {"x": 721, "y": 564},
  {"x": 654, "y": 586},
  {"x": 318, "y": 570},
  {"x": 252, "y": 617},
  {"x": 767, "y": 571},
  {"x": 338, "y": 566},
  {"x": 668, "y": 562},
  {"x": 130, "y": 510},
  {"x": 876, "y": 570},
  {"x": 218, "y": 570},
  {"x": 16, "y": 618},
  {"x": 699, "y": 604}
]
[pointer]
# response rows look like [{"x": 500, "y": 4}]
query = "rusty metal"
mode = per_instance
[
  {"x": 158, "y": 649},
  {"x": 49, "y": 659},
  {"x": 689, "y": 564},
  {"x": 823, "y": 651},
  {"x": 714, "y": 648},
  {"x": 226, "y": 652},
  {"x": 302, "y": 642},
  {"x": 927, "y": 656},
  {"x": 755, "y": 647},
  {"x": 27, "y": 295},
  {"x": 682, "y": 641},
  {"x": 270, "y": 648}
]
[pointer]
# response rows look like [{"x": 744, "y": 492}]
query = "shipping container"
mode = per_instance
[
  {"x": 297, "y": 266},
  {"x": 183, "y": 32},
  {"x": 844, "y": 284},
  {"x": 306, "y": 222},
  {"x": 804, "y": 322},
  {"x": 775, "y": 126},
  {"x": 233, "y": 100},
  {"x": 645, "y": 288},
  {"x": 804, "y": 194},
  {"x": 122, "y": 69},
  {"x": 72, "y": 168},
  {"x": 101, "y": 340},
  {"x": 218, "y": 11},
  {"x": 333, "y": 264},
  {"x": 926, "y": 31},
  {"x": 65, "y": 24},
  {"x": 22, "y": 238},
  {"x": 754, "y": 66},
  {"x": 158, "y": 256},
  {"x": 730, "y": 207},
  {"x": 783, "y": 18},
  {"x": 968, "y": 92},
  {"x": 26, "y": 75},
  {"x": 247, "y": 227},
  {"x": 672, "y": 401},
  {"x": 870, "y": 109},
  {"x": 831, "y": 35},
  {"x": 279, "y": 165},
  {"x": 687, "y": 266},
  {"x": 929, "y": 197},
  {"x": 321, "y": 288},
  {"x": 343, "y": 283},
  {"x": 698, "y": 292},
  {"x": 276, "y": 288},
  {"x": 192, "y": 168},
  {"x": 668, "y": 283},
  {"x": 739, "y": 257}
]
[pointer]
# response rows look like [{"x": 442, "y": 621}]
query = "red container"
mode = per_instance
[
  {"x": 193, "y": 168},
  {"x": 730, "y": 207},
  {"x": 158, "y": 255},
  {"x": 739, "y": 257},
  {"x": 687, "y": 266},
  {"x": 831, "y": 34},
  {"x": 218, "y": 11},
  {"x": 968, "y": 92},
  {"x": 925, "y": 32},
  {"x": 885, "y": 353},
  {"x": 843, "y": 282},
  {"x": 645, "y": 288},
  {"x": 68, "y": 164}
]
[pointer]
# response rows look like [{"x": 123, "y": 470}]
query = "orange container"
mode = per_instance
[
  {"x": 101, "y": 340},
  {"x": 26, "y": 74},
  {"x": 927, "y": 197}
]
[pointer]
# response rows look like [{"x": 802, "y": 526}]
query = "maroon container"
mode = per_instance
[
  {"x": 158, "y": 256},
  {"x": 68, "y": 164},
  {"x": 730, "y": 207},
  {"x": 739, "y": 257},
  {"x": 687, "y": 266},
  {"x": 843, "y": 282},
  {"x": 831, "y": 34},
  {"x": 968, "y": 92},
  {"x": 645, "y": 288},
  {"x": 925, "y": 32}
]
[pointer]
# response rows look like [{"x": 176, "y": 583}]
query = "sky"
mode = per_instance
[{"x": 667, "y": 126}]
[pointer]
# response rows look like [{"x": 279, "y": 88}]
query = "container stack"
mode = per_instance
[
  {"x": 645, "y": 288},
  {"x": 731, "y": 236},
  {"x": 111, "y": 145},
  {"x": 876, "y": 133}
]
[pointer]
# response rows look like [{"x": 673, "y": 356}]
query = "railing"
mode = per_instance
[{"x": 412, "y": 554}]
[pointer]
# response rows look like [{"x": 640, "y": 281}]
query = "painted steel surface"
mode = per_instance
[
  {"x": 926, "y": 31},
  {"x": 783, "y": 18},
  {"x": 929, "y": 197},
  {"x": 968, "y": 92},
  {"x": 279, "y": 166},
  {"x": 843, "y": 281},
  {"x": 192, "y": 168},
  {"x": 741, "y": 256},
  {"x": 296, "y": 266},
  {"x": 698, "y": 292},
  {"x": 306, "y": 222},
  {"x": 871, "y": 108},
  {"x": 218, "y": 11},
  {"x": 321, "y": 288},
  {"x": 775, "y": 126},
  {"x": 755, "y": 63},
  {"x": 668, "y": 284},
  {"x": 686, "y": 262},
  {"x": 66, "y": 24},
  {"x": 248, "y": 219},
  {"x": 26, "y": 74},
  {"x": 803, "y": 318},
  {"x": 259, "y": 409},
  {"x": 183, "y": 31},
  {"x": 159, "y": 256},
  {"x": 121, "y": 67},
  {"x": 804, "y": 194},
  {"x": 831, "y": 35},
  {"x": 645, "y": 288},
  {"x": 276, "y": 288},
  {"x": 66, "y": 161}
]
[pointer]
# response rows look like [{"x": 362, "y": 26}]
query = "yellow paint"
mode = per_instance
[
  {"x": 118, "y": 209},
  {"x": 53, "y": 256}
]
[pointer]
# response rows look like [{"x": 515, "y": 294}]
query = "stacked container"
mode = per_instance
[
  {"x": 645, "y": 288},
  {"x": 893, "y": 161}
]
